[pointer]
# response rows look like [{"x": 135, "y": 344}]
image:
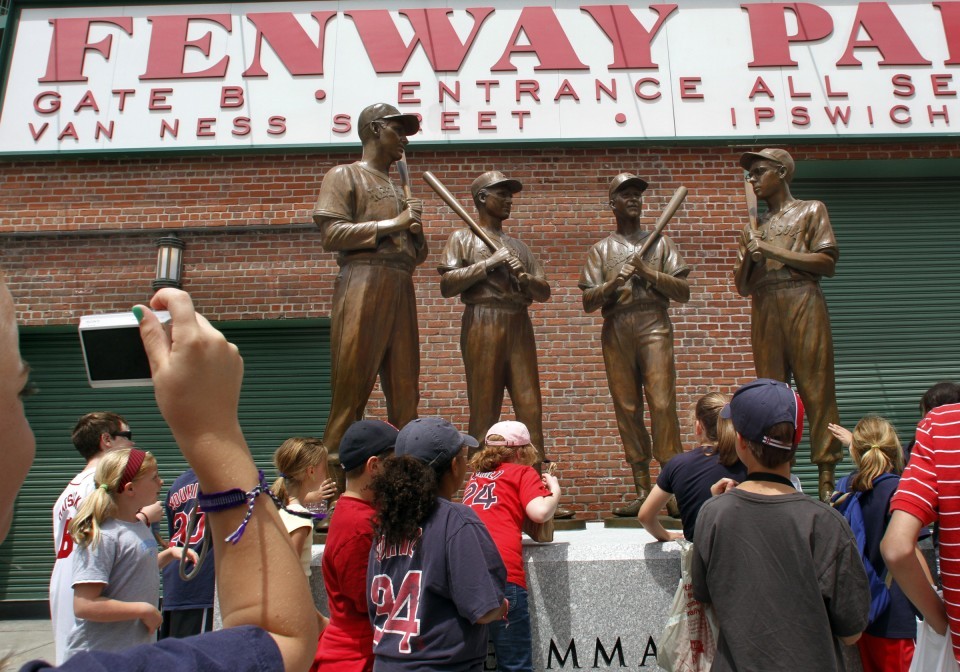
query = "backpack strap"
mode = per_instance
[
  {"x": 884, "y": 477},
  {"x": 843, "y": 485},
  {"x": 842, "y": 492},
  {"x": 879, "y": 583}
]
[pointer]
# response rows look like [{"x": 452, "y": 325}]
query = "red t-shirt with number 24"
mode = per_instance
[{"x": 500, "y": 499}]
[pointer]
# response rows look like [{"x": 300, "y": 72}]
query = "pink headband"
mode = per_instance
[{"x": 134, "y": 462}]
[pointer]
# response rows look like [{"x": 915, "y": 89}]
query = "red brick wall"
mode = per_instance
[{"x": 104, "y": 217}]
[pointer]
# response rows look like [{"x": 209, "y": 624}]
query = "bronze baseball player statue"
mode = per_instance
[
  {"x": 637, "y": 335},
  {"x": 496, "y": 286},
  {"x": 365, "y": 218},
  {"x": 779, "y": 265}
]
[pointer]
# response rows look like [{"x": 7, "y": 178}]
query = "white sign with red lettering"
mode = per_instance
[{"x": 295, "y": 74}]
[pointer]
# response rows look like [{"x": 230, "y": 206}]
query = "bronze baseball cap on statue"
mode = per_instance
[
  {"x": 624, "y": 179},
  {"x": 774, "y": 154},
  {"x": 383, "y": 111},
  {"x": 492, "y": 178}
]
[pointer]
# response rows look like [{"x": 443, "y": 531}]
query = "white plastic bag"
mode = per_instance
[
  {"x": 934, "y": 653},
  {"x": 689, "y": 640}
]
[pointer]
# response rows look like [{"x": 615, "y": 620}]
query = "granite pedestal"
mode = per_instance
[{"x": 598, "y": 597}]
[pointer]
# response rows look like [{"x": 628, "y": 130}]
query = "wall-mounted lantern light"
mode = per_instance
[{"x": 169, "y": 262}]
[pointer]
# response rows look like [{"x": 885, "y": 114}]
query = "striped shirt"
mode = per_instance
[{"x": 930, "y": 490}]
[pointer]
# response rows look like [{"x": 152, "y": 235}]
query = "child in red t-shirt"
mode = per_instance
[{"x": 503, "y": 490}]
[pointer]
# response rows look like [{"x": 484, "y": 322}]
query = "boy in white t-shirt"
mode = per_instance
[{"x": 94, "y": 435}]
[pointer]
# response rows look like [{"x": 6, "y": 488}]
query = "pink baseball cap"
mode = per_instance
[{"x": 514, "y": 434}]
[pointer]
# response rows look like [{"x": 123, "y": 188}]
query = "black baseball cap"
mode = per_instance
[
  {"x": 364, "y": 439},
  {"x": 761, "y": 404},
  {"x": 433, "y": 441}
]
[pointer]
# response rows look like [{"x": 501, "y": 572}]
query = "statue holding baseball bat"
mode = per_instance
[
  {"x": 780, "y": 261},
  {"x": 632, "y": 275},
  {"x": 497, "y": 277},
  {"x": 375, "y": 230}
]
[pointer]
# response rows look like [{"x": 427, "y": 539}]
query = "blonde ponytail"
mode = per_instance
[
  {"x": 292, "y": 459},
  {"x": 875, "y": 450},
  {"x": 727, "y": 442},
  {"x": 100, "y": 505}
]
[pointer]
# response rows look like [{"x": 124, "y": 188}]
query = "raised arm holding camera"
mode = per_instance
[{"x": 264, "y": 598}]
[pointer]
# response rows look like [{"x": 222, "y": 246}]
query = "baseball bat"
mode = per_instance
[
  {"x": 751, "y": 197},
  {"x": 405, "y": 185},
  {"x": 678, "y": 197},
  {"x": 454, "y": 204}
]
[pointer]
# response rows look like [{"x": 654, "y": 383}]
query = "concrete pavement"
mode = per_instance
[{"x": 26, "y": 641}]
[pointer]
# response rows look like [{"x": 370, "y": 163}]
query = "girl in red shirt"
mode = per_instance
[{"x": 504, "y": 490}]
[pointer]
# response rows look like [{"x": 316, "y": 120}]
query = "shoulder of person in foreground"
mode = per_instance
[
  {"x": 240, "y": 649},
  {"x": 463, "y": 526},
  {"x": 478, "y": 576},
  {"x": 457, "y": 511}
]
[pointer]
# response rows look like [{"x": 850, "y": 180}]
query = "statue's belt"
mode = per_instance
[
  {"x": 647, "y": 305},
  {"x": 776, "y": 285},
  {"x": 389, "y": 262}
]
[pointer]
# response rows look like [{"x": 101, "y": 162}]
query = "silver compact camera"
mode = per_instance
[{"x": 113, "y": 352}]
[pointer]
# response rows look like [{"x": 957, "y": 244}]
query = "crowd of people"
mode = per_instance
[
  {"x": 416, "y": 580},
  {"x": 413, "y": 577},
  {"x": 853, "y": 568},
  {"x": 270, "y": 623}
]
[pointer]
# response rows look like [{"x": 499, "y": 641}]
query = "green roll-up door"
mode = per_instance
[
  {"x": 286, "y": 392},
  {"x": 895, "y": 300}
]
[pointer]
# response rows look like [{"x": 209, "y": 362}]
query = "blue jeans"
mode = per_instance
[{"x": 511, "y": 638}]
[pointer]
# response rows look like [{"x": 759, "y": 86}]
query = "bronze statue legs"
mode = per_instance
[
  {"x": 499, "y": 352},
  {"x": 638, "y": 355},
  {"x": 373, "y": 331},
  {"x": 791, "y": 337}
]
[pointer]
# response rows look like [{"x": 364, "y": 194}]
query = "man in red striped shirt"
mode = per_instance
[{"x": 929, "y": 491}]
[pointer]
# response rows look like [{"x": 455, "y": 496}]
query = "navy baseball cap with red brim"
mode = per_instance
[{"x": 761, "y": 404}]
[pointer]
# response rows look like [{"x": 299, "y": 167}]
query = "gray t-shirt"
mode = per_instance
[
  {"x": 125, "y": 560},
  {"x": 785, "y": 577}
]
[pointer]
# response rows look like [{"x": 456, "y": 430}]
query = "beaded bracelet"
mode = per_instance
[{"x": 230, "y": 499}]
